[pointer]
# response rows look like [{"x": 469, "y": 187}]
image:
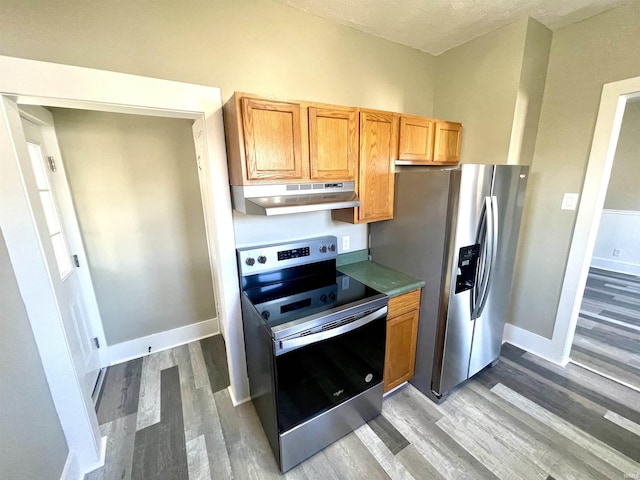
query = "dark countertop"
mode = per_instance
[{"x": 381, "y": 278}]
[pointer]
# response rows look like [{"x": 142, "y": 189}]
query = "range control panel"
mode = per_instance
[
  {"x": 252, "y": 260},
  {"x": 294, "y": 253}
]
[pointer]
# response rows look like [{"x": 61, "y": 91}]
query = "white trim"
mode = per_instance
[
  {"x": 27, "y": 255},
  {"x": 139, "y": 347},
  {"x": 103, "y": 452},
  {"x": 618, "y": 230},
  {"x": 538, "y": 345},
  {"x": 604, "y": 375},
  {"x": 609, "y": 211},
  {"x": 605, "y": 139},
  {"x": 71, "y": 470},
  {"x": 234, "y": 399},
  {"x": 48, "y": 84},
  {"x": 614, "y": 266}
]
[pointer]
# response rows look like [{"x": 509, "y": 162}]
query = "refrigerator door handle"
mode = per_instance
[
  {"x": 490, "y": 256},
  {"x": 482, "y": 239}
]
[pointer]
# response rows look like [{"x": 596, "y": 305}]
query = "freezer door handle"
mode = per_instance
[
  {"x": 481, "y": 239},
  {"x": 488, "y": 235}
]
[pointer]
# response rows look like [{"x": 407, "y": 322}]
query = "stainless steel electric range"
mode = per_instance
[{"x": 315, "y": 341}]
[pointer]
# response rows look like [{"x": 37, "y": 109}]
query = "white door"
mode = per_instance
[{"x": 68, "y": 267}]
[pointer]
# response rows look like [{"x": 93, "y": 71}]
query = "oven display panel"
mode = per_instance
[
  {"x": 295, "y": 305},
  {"x": 293, "y": 253}
]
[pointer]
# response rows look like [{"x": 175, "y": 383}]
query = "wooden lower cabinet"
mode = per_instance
[{"x": 402, "y": 336}]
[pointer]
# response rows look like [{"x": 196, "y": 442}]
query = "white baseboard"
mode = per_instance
[
  {"x": 620, "y": 267},
  {"x": 235, "y": 401},
  {"x": 71, "y": 470},
  {"x": 139, "y": 347},
  {"x": 533, "y": 343}
]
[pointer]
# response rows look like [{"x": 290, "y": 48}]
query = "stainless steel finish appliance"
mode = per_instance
[
  {"x": 315, "y": 341},
  {"x": 457, "y": 229},
  {"x": 293, "y": 197}
]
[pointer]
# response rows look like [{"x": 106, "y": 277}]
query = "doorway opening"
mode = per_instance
[
  {"x": 607, "y": 336},
  {"x": 128, "y": 194},
  {"x": 614, "y": 99},
  {"x": 27, "y": 82}
]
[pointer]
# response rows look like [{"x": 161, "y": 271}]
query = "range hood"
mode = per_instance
[{"x": 293, "y": 197}]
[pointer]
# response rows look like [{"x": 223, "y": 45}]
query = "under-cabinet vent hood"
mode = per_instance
[{"x": 293, "y": 197}]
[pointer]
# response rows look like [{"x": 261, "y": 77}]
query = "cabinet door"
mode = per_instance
[
  {"x": 416, "y": 139},
  {"x": 333, "y": 143},
  {"x": 272, "y": 140},
  {"x": 448, "y": 138},
  {"x": 378, "y": 152},
  {"x": 400, "y": 350}
]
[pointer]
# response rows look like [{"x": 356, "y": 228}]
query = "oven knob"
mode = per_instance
[
  {"x": 332, "y": 296},
  {"x": 368, "y": 378},
  {"x": 323, "y": 298},
  {"x": 332, "y": 248},
  {"x": 266, "y": 315},
  {"x": 262, "y": 259},
  {"x": 323, "y": 249},
  {"x": 250, "y": 261}
]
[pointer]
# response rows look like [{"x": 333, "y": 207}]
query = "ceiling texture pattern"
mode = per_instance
[{"x": 435, "y": 26}]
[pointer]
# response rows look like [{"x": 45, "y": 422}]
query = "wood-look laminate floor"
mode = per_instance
[
  {"x": 607, "y": 335},
  {"x": 525, "y": 418}
]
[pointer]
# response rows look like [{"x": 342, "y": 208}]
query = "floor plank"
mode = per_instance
[
  {"x": 149, "y": 400},
  {"x": 249, "y": 453},
  {"x": 354, "y": 459},
  {"x": 120, "y": 391},
  {"x": 610, "y": 455},
  {"x": 160, "y": 451},
  {"x": 523, "y": 418},
  {"x": 120, "y": 435},
  {"x": 389, "y": 435},
  {"x": 569, "y": 406},
  {"x": 607, "y": 336},
  {"x": 552, "y": 432},
  {"x": 382, "y": 451},
  {"x": 215, "y": 359},
  {"x": 418, "y": 419}
]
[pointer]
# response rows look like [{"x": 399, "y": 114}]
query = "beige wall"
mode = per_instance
[
  {"x": 267, "y": 48},
  {"x": 32, "y": 444},
  {"x": 533, "y": 73},
  {"x": 624, "y": 185},
  {"x": 584, "y": 56},
  {"x": 256, "y": 46},
  {"x": 477, "y": 84},
  {"x": 493, "y": 85},
  {"x": 135, "y": 187}
]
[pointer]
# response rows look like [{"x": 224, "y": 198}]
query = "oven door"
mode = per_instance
[{"x": 318, "y": 370}]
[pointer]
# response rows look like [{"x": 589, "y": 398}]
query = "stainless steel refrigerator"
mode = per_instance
[{"x": 456, "y": 229}]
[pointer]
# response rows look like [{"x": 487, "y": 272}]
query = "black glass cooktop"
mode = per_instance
[{"x": 286, "y": 300}]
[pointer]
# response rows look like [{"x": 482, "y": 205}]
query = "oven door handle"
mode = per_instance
[{"x": 284, "y": 346}]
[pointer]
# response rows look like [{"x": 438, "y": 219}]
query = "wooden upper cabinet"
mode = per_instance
[
  {"x": 333, "y": 143},
  {"x": 447, "y": 142},
  {"x": 416, "y": 139},
  {"x": 272, "y": 140},
  {"x": 378, "y": 153}
]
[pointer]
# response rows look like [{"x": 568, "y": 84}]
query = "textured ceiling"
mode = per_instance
[{"x": 435, "y": 26}]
